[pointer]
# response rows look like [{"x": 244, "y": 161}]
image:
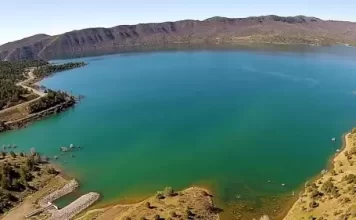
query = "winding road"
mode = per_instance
[{"x": 30, "y": 76}]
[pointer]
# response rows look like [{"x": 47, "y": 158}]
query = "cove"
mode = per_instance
[{"x": 231, "y": 120}]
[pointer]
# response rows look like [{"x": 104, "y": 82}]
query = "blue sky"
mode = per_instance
[{"x": 22, "y": 18}]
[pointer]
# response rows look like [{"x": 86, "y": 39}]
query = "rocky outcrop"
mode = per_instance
[{"x": 212, "y": 31}]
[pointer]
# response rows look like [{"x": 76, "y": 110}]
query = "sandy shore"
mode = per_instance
[{"x": 332, "y": 195}]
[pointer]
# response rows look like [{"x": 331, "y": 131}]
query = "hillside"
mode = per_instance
[{"x": 185, "y": 33}]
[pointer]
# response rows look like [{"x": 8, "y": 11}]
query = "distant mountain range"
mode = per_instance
[{"x": 212, "y": 31}]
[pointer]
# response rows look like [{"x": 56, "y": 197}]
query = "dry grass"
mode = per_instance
[
  {"x": 341, "y": 202},
  {"x": 194, "y": 200}
]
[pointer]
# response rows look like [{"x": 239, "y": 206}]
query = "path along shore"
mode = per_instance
[{"x": 30, "y": 77}]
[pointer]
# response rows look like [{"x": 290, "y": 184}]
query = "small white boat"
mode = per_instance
[{"x": 333, "y": 139}]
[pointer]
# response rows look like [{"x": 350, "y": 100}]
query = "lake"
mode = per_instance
[{"x": 228, "y": 120}]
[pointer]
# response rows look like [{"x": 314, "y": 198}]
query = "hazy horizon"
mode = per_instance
[{"x": 55, "y": 18}]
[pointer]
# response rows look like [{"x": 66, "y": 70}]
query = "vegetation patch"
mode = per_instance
[{"x": 21, "y": 175}]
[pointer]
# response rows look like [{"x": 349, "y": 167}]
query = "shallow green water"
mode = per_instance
[{"x": 229, "y": 119}]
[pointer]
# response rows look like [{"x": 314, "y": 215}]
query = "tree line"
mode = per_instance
[
  {"x": 53, "y": 98},
  {"x": 16, "y": 176},
  {"x": 12, "y": 72},
  {"x": 47, "y": 70}
]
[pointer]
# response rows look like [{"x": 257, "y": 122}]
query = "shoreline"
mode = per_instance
[
  {"x": 317, "y": 176},
  {"x": 333, "y": 164},
  {"x": 187, "y": 46}
]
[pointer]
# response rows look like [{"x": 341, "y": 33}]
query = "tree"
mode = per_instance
[
  {"x": 5, "y": 198},
  {"x": 5, "y": 182},
  {"x": 37, "y": 158},
  {"x": 30, "y": 163},
  {"x": 148, "y": 205},
  {"x": 33, "y": 151},
  {"x": 12, "y": 154},
  {"x": 25, "y": 174}
]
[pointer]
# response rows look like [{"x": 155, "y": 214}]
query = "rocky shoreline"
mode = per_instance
[{"x": 23, "y": 122}]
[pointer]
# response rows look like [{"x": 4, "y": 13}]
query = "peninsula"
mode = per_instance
[{"x": 21, "y": 100}]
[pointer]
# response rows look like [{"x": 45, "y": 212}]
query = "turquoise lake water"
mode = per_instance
[{"x": 228, "y": 119}]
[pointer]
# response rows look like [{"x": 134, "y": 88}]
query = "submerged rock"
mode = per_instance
[{"x": 64, "y": 149}]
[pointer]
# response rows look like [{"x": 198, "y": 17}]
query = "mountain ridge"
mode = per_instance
[{"x": 212, "y": 31}]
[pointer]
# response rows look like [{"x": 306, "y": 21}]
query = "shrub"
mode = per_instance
[
  {"x": 352, "y": 151},
  {"x": 159, "y": 195},
  {"x": 37, "y": 158},
  {"x": 350, "y": 178},
  {"x": 22, "y": 154},
  {"x": 353, "y": 131},
  {"x": 30, "y": 163},
  {"x": 33, "y": 151},
  {"x": 2, "y": 154},
  {"x": 188, "y": 213},
  {"x": 347, "y": 200},
  {"x": 157, "y": 217},
  {"x": 346, "y": 153},
  {"x": 148, "y": 205},
  {"x": 51, "y": 170},
  {"x": 25, "y": 174},
  {"x": 315, "y": 194},
  {"x": 329, "y": 188},
  {"x": 313, "y": 204},
  {"x": 168, "y": 191},
  {"x": 173, "y": 214}
]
